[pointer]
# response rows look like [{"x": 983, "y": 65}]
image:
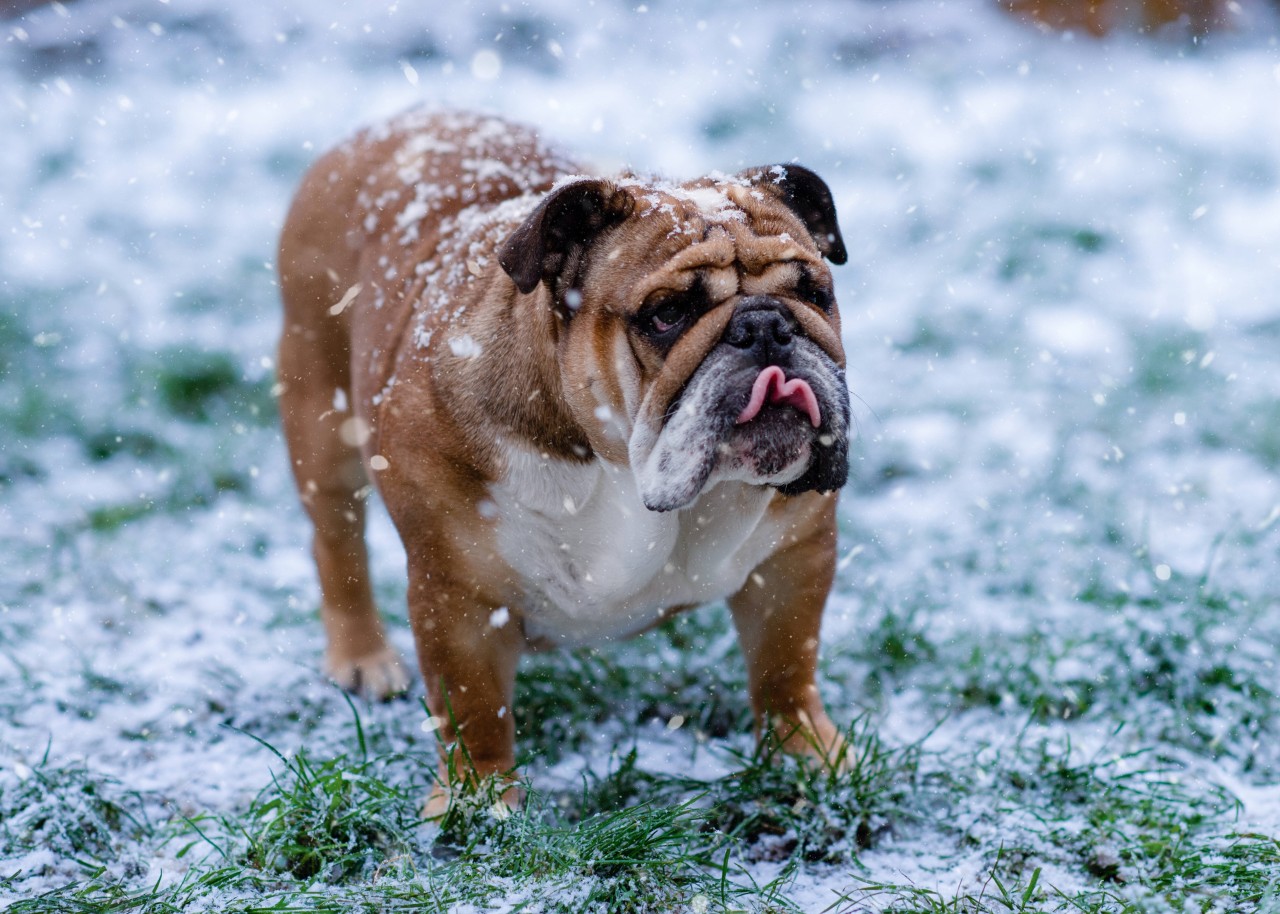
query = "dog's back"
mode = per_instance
[{"x": 380, "y": 200}]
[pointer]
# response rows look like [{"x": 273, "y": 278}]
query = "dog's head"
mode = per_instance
[{"x": 697, "y": 327}]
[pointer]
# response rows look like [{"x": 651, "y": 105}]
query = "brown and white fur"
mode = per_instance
[{"x": 557, "y": 384}]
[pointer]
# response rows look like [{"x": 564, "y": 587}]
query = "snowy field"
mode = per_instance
[{"x": 1056, "y": 625}]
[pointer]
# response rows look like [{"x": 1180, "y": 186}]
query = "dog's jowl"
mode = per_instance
[{"x": 587, "y": 402}]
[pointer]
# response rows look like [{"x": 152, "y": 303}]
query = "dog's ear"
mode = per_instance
[
  {"x": 808, "y": 197},
  {"x": 549, "y": 245}
]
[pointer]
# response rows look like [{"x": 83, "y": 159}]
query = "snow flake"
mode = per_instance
[
  {"x": 347, "y": 298},
  {"x": 465, "y": 346},
  {"x": 354, "y": 432},
  {"x": 486, "y": 64}
]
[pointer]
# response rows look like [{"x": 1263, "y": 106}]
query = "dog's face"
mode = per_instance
[{"x": 697, "y": 328}]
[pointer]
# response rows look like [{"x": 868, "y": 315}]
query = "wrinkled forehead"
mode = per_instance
[{"x": 720, "y": 231}]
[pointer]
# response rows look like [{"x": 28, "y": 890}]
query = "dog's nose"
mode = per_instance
[{"x": 762, "y": 327}]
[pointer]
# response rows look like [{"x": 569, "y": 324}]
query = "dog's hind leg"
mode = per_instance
[{"x": 323, "y": 436}]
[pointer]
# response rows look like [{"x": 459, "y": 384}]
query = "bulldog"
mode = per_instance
[
  {"x": 1100, "y": 17},
  {"x": 587, "y": 402}
]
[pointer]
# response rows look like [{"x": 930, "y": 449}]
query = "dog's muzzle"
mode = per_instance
[
  {"x": 764, "y": 331},
  {"x": 767, "y": 405}
]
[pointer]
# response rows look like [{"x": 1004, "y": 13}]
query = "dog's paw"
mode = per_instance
[
  {"x": 437, "y": 803},
  {"x": 835, "y": 755},
  {"x": 498, "y": 802},
  {"x": 814, "y": 738},
  {"x": 376, "y": 676}
]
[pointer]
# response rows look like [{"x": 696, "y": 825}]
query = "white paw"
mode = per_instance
[
  {"x": 501, "y": 802},
  {"x": 376, "y": 677},
  {"x": 437, "y": 803}
]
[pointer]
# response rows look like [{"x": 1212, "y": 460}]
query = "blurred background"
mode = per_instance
[{"x": 1061, "y": 309}]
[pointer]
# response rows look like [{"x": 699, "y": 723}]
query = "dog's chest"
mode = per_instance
[{"x": 595, "y": 563}]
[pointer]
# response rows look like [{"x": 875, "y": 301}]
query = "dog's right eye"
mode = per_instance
[
  {"x": 666, "y": 313},
  {"x": 667, "y": 316}
]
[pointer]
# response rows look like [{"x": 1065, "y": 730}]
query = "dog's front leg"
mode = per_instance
[
  {"x": 468, "y": 663},
  {"x": 778, "y": 614}
]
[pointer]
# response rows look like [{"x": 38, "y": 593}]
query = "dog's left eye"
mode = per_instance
[{"x": 810, "y": 290}]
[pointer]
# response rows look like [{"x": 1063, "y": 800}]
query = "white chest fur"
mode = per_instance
[{"x": 596, "y": 563}]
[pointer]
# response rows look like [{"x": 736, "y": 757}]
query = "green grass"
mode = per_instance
[
  {"x": 1137, "y": 831},
  {"x": 1048, "y": 252},
  {"x": 349, "y": 823},
  {"x": 648, "y": 856},
  {"x": 341, "y": 833},
  {"x": 333, "y": 819},
  {"x": 186, "y": 491},
  {"x": 1052, "y": 828},
  {"x": 695, "y": 671},
  {"x": 71, "y": 812},
  {"x": 202, "y": 386}
]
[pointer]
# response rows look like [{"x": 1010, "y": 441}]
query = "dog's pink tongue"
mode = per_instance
[{"x": 772, "y": 386}]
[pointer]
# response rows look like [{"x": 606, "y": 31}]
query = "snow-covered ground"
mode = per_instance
[{"x": 1062, "y": 314}]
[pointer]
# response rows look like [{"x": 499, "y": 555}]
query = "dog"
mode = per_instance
[
  {"x": 587, "y": 403},
  {"x": 1099, "y": 17}
]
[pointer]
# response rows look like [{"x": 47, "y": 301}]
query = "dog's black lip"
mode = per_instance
[{"x": 772, "y": 410}]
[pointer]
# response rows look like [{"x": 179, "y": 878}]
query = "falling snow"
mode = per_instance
[{"x": 1060, "y": 315}]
